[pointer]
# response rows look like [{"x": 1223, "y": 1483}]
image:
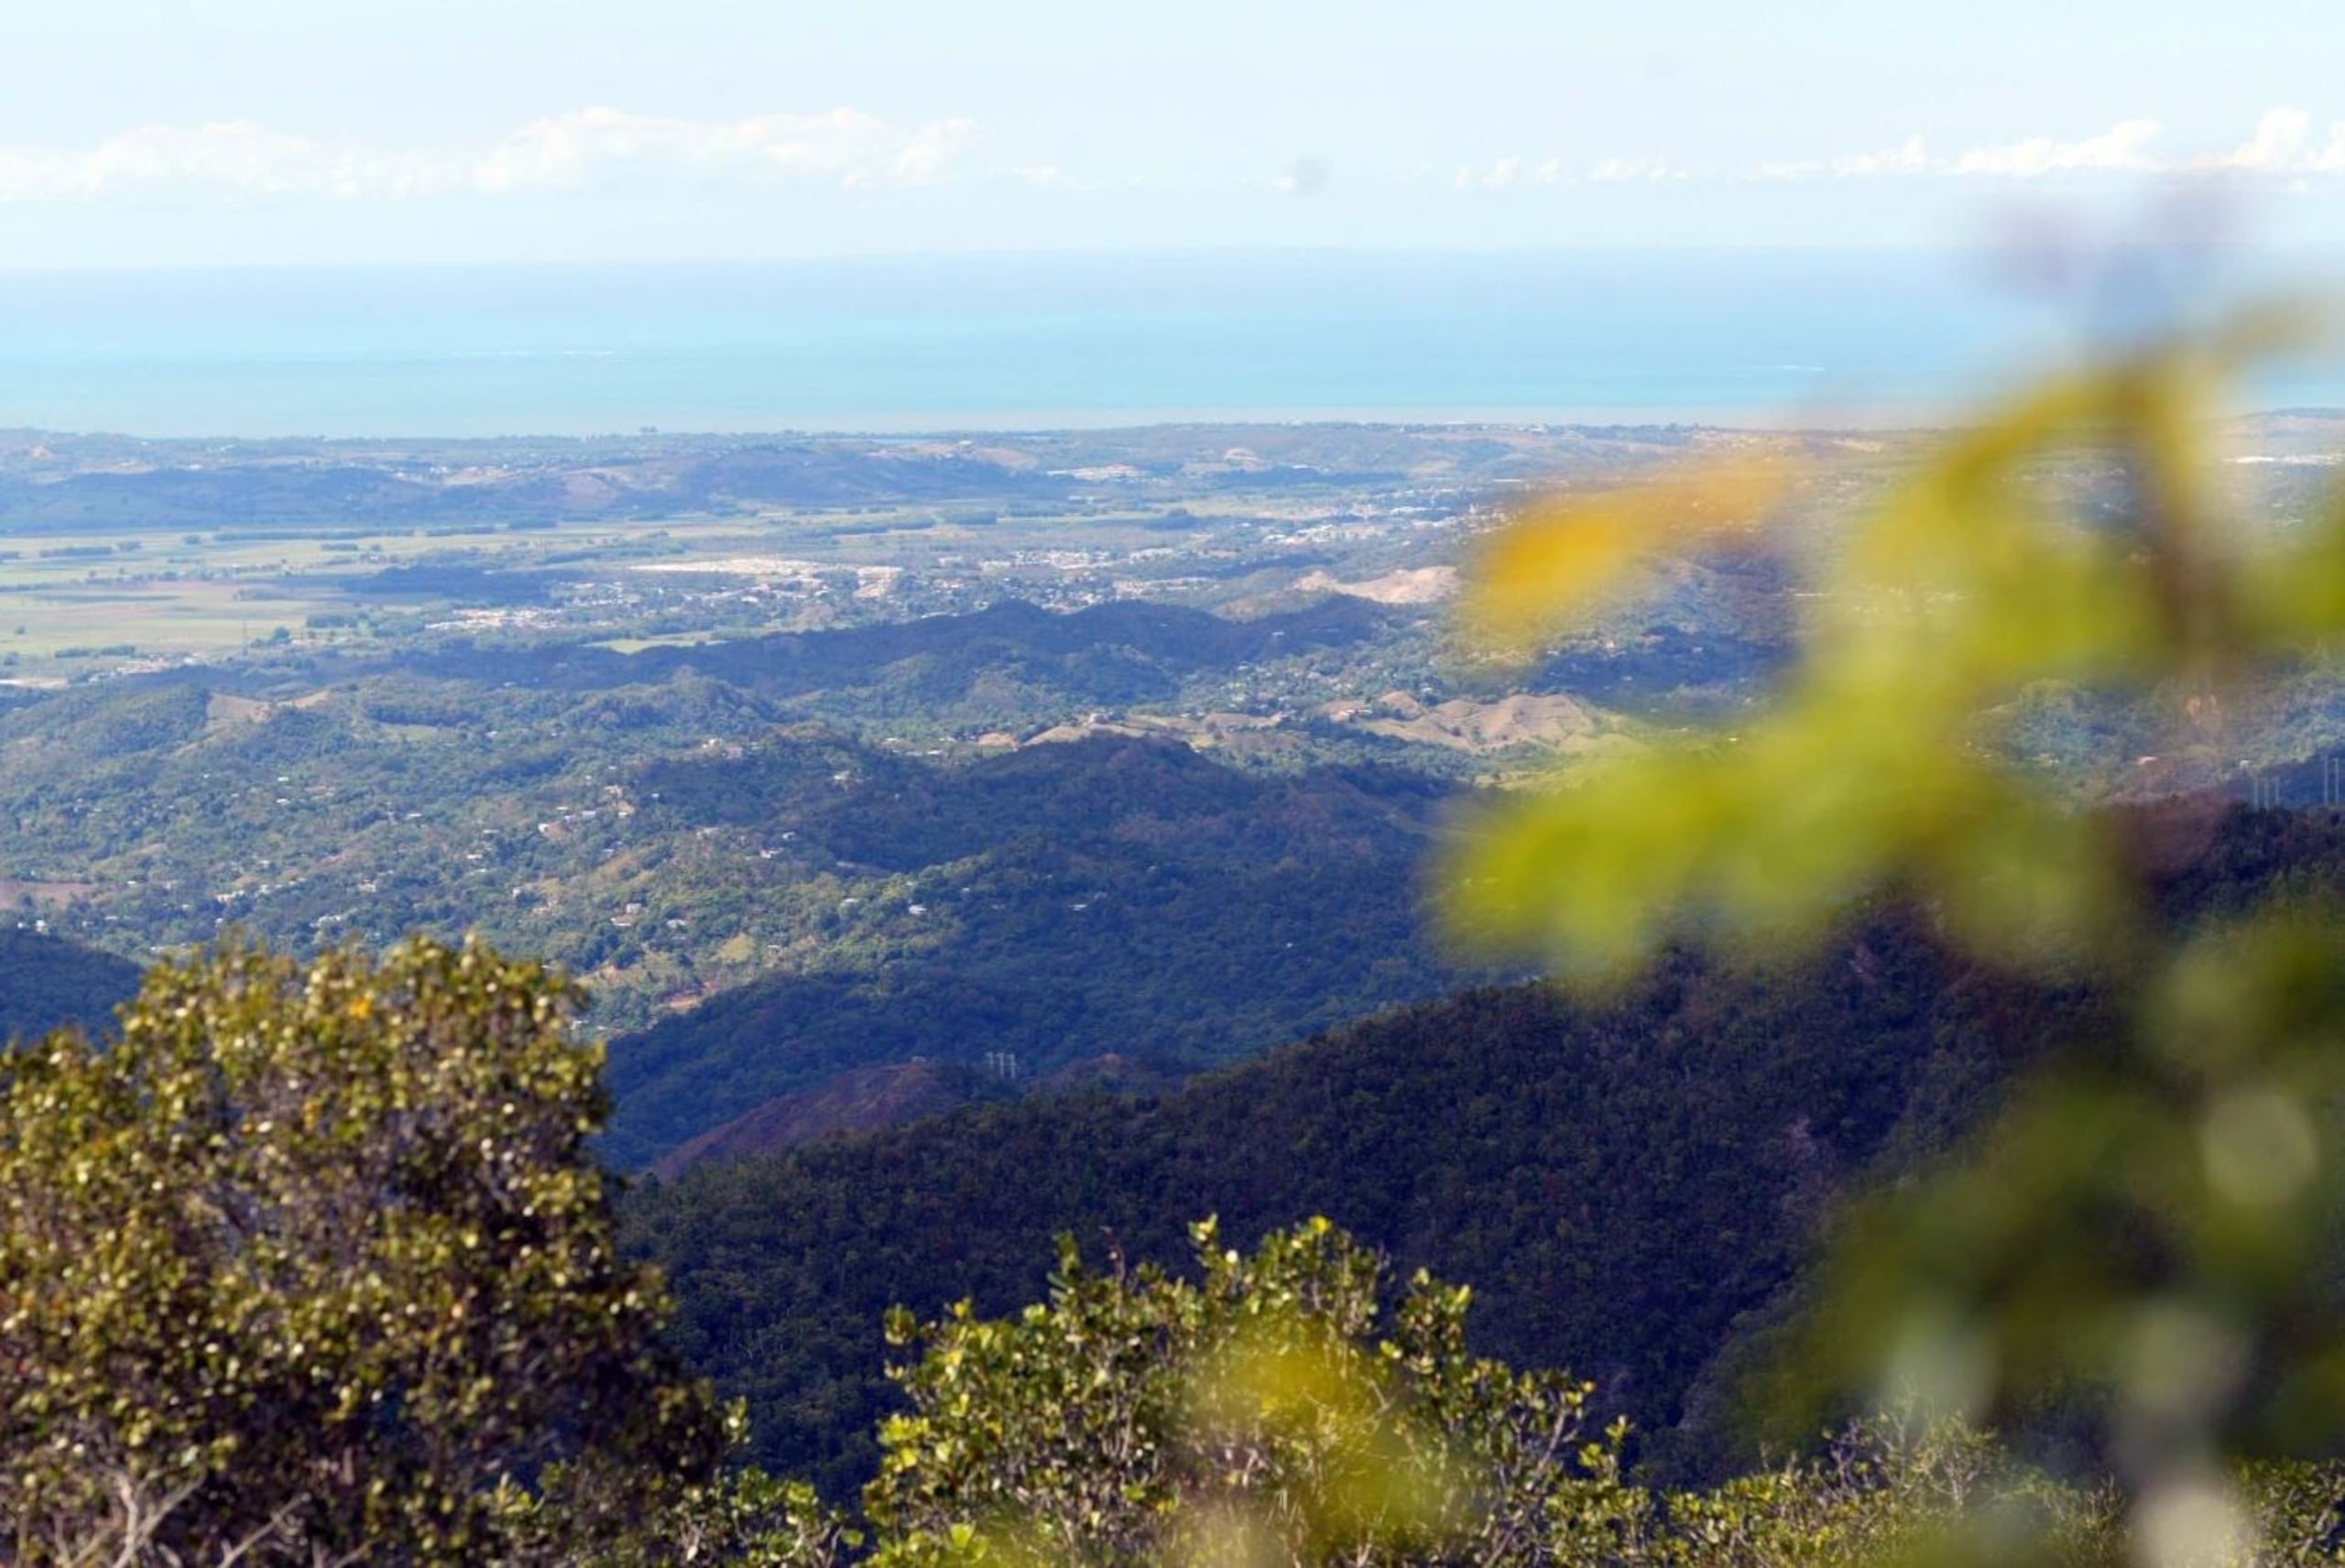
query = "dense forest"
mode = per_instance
[
  {"x": 1624, "y": 1184},
  {"x": 1631, "y": 1185}
]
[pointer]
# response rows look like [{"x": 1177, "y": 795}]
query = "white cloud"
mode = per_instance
[
  {"x": 1522, "y": 171},
  {"x": 2275, "y": 147},
  {"x": 1510, "y": 172},
  {"x": 233, "y": 156},
  {"x": 929, "y": 152},
  {"x": 847, "y": 145},
  {"x": 851, "y": 149},
  {"x": 1615, "y": 170},
  {"x": 562, "y": 152},
  {"x": 1909, "y": 157},
  {"x": 2123, "y": 148},
  {"x": 2281, "y": 145}
]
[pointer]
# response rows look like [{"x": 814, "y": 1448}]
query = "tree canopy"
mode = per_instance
[{"x": 313, "y": 1260}]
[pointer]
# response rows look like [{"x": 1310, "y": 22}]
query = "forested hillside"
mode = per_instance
[
  {"x": 1059, "y": 903},
  {"x": 1004, "y": 664},
  {"x": 648, "y": 818},
  {"x": 1622, "y": 1182},
  {"x": 46, "y": 984}
]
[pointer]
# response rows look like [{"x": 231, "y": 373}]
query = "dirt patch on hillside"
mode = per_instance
[
  {"x": 1557, "y": 722},
  {"x": 43, "y": 895},
  {"x": 1409, "y": 585},
  {"x": 222, "y": 711},
  {"x": 1247, "y": 733}
]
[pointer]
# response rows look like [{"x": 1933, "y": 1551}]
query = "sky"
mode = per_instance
[{"x": 175, "y": 133}]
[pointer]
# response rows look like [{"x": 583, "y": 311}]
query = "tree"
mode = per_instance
[
  {"x": 1254, "y": 1415},
  {"x": 313, "y": 1263},
  {"x": 742, "y": 1518}
]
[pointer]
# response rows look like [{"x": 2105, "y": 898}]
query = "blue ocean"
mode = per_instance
[{"x": 970, "y": 342}]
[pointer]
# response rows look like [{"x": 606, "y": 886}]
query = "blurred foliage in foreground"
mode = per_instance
[{"x": 2139, "y": 1255}]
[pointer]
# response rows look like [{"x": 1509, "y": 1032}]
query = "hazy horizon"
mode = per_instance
[
  {"x": 1764, "y": 338},
  {"x": 434, "y": 218}
]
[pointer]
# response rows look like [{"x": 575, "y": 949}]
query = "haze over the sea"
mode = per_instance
[{"x": 1020, "y": 340}]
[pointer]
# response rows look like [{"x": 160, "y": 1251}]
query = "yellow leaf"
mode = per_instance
[{"x": 1559, "y": 557}]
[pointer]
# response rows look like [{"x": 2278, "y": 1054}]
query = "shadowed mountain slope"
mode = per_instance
[
  {"x": 1058, "y": 903},
  {"x": 46, "y": 984},
  {"x": 1621, "y": 1183}
]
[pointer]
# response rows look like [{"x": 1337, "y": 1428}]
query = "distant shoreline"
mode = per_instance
[
  {"x": 1769, "y": 341},
  {"x": 947, "y": 427},
  {"x": 944, "y": 428}
]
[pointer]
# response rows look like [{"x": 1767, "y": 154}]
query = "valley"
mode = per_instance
[
  {"x": 967, "y": 843},
  {"x": 1059, "y": 747},
  {"x": 1308, "y": 786}
]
